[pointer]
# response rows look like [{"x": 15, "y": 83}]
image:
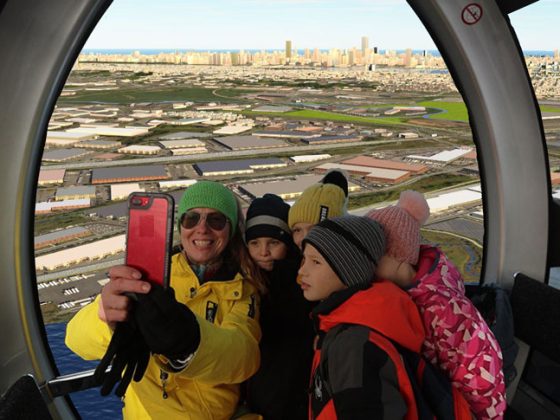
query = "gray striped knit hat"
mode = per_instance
[{"x": 351, "y": 245}]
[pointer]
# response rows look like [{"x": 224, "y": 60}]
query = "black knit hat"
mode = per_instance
[
  {"x": 351, "y": 245},
  {"x": 267, "y": 216}
]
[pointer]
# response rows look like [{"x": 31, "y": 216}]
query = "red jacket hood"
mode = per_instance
[{"x": 383, "y": 307}]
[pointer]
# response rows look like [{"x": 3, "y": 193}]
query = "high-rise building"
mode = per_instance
[
  {"x": 407, "y": 59},
  {"x": 365, "y": 44},
  {"x": 316, "y": 55},
  {"x": 288, "y": 50}
]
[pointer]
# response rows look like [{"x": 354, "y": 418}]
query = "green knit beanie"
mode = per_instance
[{"x": 212, "y": 195}]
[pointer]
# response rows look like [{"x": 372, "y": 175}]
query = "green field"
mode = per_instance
[
  {"x": 329, "y": 116},
  {"x": 48, "y": 223},
  {"x": 454, "y": 111},
  {"x": 463, "y": 253},
  {"x": 145, "y": 94},
  {"x": 457, "y": 111},
  {"x": 547, "y": 108}
]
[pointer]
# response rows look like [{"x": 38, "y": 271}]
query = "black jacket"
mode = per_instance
[{"x": 279, "y": 390}]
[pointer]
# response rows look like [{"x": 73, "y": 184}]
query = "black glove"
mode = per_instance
[
  {"x": 128, "y": 353},
  {"x": 169, "y": 327}
]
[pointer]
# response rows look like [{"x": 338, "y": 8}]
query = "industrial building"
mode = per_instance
[
  {"x": 189, "y": 151},
  {"x": 138, "y": 149},
  {"x": 446, "y": 201},
  {"x": 233, "y": 129},
  {"x": 50, "y": 206},
  {"x": 176, "y": 183},
  {"x": 376, "y": 175},
  {"x": 288, "y": 189},
  {"x": 57, "y": 125},
  {"x": 100, "y": 144},
  {"x": 181, "y": 143},
  {"x": 309, "y": 158},
  {"x": 103, "y": 130},
  {"x": 273, "y": 108},
  {"x": 75, "y": 192},
  {"x": 470, "y": 196},
  {"x": 188, "y": 121},
  {"x": 472, "y": 155},
  {"x": 118, "y": 210},
  {"x": 129, "y": 174},
  {"x": 372, "y": 162},
  {"x": 122, "y": 191},
  {"x": 62, "y": 155},
  {"x": 310, "y": 129},
  {"x": 51, "y": 177},
  {"x": 408, "y": 135},
  {"x": 387, "y": 176},
  {"x": 60, "y": 236},
  {"x": 249, "y": 142},
  {"x": 285, "y": 134},
  {"x": 66, "y": 138},
  {"x": 92, "y": 251},
  {"x": 180, "y": 135},
  {"x": 445, "y": 157},
  {"x": 237, "y": 167},
  {"x": 331, "y": 139}
]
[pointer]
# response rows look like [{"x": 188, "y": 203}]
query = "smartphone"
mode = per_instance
[{"x": 149, "y": 235}]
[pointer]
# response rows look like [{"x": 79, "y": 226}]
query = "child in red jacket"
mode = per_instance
[
  {"x": 458, "y": 340},
  {"x": 357, "y": 371}
]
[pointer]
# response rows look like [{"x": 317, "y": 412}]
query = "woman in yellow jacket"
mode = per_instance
[{"x": 201, "y": 341}]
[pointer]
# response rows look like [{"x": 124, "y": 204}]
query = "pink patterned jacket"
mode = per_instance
[{"x": 458, "y": 340}]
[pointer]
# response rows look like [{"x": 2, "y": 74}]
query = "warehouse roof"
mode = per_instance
[
  {"x": 249, "y": 142},
  {"x": 185, "y": 135},
  {"x": 129, "y": 172},
  {"x": 236, "y": 165},
  {"x": 64, "y": 154},
  {"x": 76, "y": 190},
  {"x": 53, "y": 236},
  {"x": 51, "y": 174},
  {"x": 387, "y": 164}
]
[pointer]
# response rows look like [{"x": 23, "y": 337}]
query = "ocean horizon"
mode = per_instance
[{"x": 155, "y": 51}]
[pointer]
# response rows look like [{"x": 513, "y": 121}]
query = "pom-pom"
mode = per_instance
[
  {"x": 337, "y": 178},
  {"x": 415, "y": 204}
]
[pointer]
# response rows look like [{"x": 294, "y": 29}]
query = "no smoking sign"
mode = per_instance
[{"x": 471, "y": 14}]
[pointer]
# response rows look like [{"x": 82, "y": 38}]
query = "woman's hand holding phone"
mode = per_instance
[
  {"x": 115, "y": 305},
  {"x": 127, "y": 354}
]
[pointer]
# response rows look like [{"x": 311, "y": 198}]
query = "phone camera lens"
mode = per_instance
[{"x": 137, "y": 201}]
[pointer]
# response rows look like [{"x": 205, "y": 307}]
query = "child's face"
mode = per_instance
[
  {"x": 399, "y": 272},
  {"x": 318, "y": 280},
  {"x": 264, "y": 251},
  {"x": 300, "y": 231}
]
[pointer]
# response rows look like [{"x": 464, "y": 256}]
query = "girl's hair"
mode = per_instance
[
  {"x": 260, "y": 276},
  {"x": 237, "y": 253}
]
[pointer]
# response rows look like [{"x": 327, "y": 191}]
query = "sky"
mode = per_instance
[{"x": 267, "y": 24}]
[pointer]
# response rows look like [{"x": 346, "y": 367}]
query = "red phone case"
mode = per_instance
[{"x": 150, "y": 235}]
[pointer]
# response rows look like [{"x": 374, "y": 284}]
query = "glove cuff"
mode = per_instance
[{"x": 175, "y": 365}]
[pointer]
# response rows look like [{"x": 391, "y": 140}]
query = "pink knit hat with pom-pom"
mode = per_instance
[{"x": 401, "y": 224}]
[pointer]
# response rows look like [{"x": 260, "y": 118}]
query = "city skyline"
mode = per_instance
[{"x": 323, "y": 24}]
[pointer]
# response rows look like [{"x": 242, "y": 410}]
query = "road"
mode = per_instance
[{"x": 323, "y": 148}]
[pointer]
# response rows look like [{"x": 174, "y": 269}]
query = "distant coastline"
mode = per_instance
[{"x": 155, "y": 51}]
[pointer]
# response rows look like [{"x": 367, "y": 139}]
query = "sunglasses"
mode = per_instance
[{"x": 216, "y": 221}]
